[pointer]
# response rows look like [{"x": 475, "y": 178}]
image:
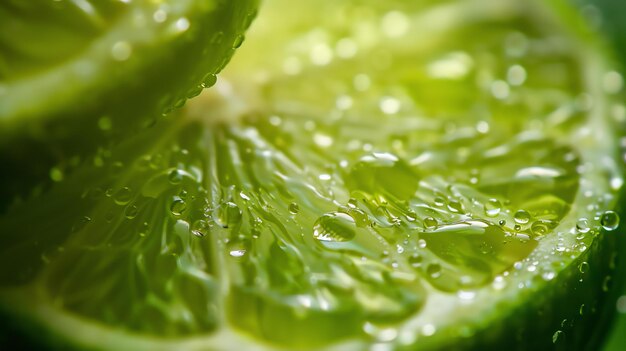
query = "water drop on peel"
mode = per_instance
[
  {"x": 294, "y": 208},
  {"x": 439, "y": 201},
  {"x": 209, "y": 80},
  {"x": 175, "y": 177},
  {"x": 122, "y": 196},
  {"x": 609, "y": 220},
  {"x": 131, "y": 211},
  {"x": 582, "y": 225},
  {"x": 178, "y": 207}
]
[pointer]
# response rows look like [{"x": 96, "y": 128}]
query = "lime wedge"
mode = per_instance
[
  {"x": 113, "y": 62},
  {"x": 432, "y": 175}
]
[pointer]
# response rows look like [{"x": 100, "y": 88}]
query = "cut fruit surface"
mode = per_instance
[{"x": 433, "y": 175}]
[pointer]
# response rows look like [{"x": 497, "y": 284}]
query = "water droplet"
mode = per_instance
[
  {"x": 609, "y": 220},
  {"x": 175, "y": 177},
  {"x": 227, "y": 215},
  {"x": 415, "y": 260},
  {"x": 433, "y": 270},
  {"x": 131, "y": 211},
  {"x": 582, "y": 225},
  {"x": 238, "y": 41},
  {"x": 200, "y": 228},
  {"x": 521, "y": 217},
  {"x": 492, "y": 207},
  {"x": 334, "y": 226},
  {"x": 209, "y": 80},
  {"x": 193, "y": 92},
  {"x": 178, "y": 207},
  {"x": 421, "y": 243},
  {"x": 123, "y": 196},
  {"x": 430, "y": 223},
  {"x": 294, "y": 208},
  {"x": 455, "y": 206},
  {"x": 540, "y": 227}
]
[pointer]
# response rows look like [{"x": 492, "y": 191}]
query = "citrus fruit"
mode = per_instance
[{"x": 426, "y": 175}]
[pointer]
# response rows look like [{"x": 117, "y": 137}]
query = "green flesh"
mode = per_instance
[{"x": 409, "y": 193}]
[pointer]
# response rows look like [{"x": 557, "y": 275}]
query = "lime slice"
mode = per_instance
[
  {"x": 111, "y": 61},
  {"x": 365, "y": 176}
]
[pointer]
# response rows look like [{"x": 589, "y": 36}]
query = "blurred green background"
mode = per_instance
[{"x": 610, "y": 18}]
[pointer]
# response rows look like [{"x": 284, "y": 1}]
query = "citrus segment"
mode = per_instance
[{"x": 346, "y": 191}]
